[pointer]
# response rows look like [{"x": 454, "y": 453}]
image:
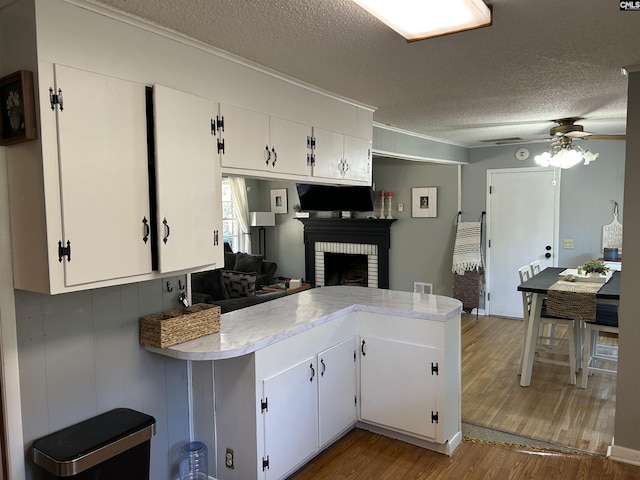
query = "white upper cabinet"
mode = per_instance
[
  {"x": 341, "y": 157},
  {"x": 82, "y": 209},
  {"x": 188, "y": 179},
  {"x": 290, "y": 145},
  {"x": 244, "y": 138},
  {"x": 80, "y": 212},
  {"x": 258, "y": 143}
]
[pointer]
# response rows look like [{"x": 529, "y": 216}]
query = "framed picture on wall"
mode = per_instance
[
  {"x": 424, "y": 202},
  {"x": 279, "y": 200},
  {"x": 17, "y": 108}
]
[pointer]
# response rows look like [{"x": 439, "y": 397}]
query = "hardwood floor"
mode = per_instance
[
  {"x": 550, "y": 409},
  {"x": 365, "y": 455}
]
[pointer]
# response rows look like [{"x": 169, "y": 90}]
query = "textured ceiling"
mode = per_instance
[{"x": 540, "y": 60}]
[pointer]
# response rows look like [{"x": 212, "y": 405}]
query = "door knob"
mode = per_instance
[
  {"x": 547, "y": 248},
  {"x": 547, "y": 255}
]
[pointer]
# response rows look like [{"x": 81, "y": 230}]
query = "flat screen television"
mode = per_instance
[{"x": 328, "y": 198}]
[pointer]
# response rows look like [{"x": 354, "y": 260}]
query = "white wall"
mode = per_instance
[{"x": 627, "y": 423}]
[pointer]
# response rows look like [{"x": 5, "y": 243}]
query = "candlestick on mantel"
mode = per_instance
[{"x": 389, "y": 211}]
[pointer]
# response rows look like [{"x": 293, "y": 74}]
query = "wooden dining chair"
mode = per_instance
[
  {"x": 548, "y": 347},
  {"x": 599, "y": 357},
  {"x": 535, "y": 267}
]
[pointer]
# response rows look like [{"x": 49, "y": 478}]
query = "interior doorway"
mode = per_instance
[{"x": 522, "y": 226}]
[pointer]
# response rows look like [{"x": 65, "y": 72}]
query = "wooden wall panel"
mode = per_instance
[{"x": 79, "y": 357}]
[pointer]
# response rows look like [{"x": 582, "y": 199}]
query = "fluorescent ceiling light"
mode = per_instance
[{"x": 420, "y": 19}]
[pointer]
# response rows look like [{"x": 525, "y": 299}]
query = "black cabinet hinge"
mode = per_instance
[
  {"x": 221, "y": 145},
  {"x": 220, "y": 123},
  {"x": 64, "y": 251},
  {"x": 355, "y": 400},
  {"x": 434, "y": 417},
  {"x": 55, "y": 98},
  {"x": 434, "y": 368},
  {"x": 264, "y": 405},
  {"x": 213, "y": 127},
  {"x": 265, "y": 463}
]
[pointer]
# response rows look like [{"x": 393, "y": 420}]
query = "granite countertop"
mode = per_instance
[{"x": 250, "y": 329}]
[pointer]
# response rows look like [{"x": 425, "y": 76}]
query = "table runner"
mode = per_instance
[{"x": 575, "y": 300}]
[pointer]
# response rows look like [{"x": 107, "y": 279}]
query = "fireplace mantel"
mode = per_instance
[{"x": 348, "y": 230}]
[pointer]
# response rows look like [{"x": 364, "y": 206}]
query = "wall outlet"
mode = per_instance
[
  {"x": 567, "y": 244},
  {"x": 401, "y": 207},
  {"x": 228, "y": 459}
]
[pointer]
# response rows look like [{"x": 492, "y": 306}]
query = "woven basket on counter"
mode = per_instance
[{"x": 176, "y": 326}]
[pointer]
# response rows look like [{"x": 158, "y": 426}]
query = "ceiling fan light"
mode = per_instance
[
  {"x": 420, "y": 19},
  {"x": 544, "y": 159},
  {"x": 589, "y": 156}
]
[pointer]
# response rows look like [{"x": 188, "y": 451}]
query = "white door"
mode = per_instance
[{"x": 522, "y": 226}]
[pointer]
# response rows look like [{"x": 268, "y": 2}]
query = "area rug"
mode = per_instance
[{"x": 483, "y": 435}]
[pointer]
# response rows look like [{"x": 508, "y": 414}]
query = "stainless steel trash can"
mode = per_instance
[{"x": 116, "y": 444}]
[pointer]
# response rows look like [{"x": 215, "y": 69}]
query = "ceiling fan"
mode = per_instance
[{"x": 566, "y": 130}]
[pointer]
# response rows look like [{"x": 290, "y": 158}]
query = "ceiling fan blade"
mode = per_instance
[
  {"x": 605, "y": 137},
  {"x": 522, "y": 140},
  {"x": 578, "y": 134}
]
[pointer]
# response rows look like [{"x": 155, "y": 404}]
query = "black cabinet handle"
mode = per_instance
[
  {"x": 275, "y": 157},
  {"x": 313, "y": 372},
  {"x": 267, "y": 155},
  {"x": 362, "y": 348},
  {"x": 324, "y": 367},
  {"x": 145, "y": 223},
  {"x": 167, "y": 231}
]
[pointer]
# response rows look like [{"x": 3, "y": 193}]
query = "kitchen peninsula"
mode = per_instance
[{"x": 288, "y": 377}]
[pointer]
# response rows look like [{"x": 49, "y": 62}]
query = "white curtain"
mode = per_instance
[{"x": 241, "y": 206}]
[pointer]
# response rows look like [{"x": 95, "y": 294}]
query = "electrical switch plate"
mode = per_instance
[
  {"x": 567, "y": 244},
  {"x": 401, "y": 207}
]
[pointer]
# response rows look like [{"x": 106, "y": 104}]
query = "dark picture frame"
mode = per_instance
[{"x": 17, "y": 108}]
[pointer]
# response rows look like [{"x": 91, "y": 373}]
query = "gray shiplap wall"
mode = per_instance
[{"x": 79, "y": 356}]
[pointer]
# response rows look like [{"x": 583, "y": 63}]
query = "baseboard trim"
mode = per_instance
[
  {"x": 623, "y": 454},
  {"x": 444, "y": 448}
]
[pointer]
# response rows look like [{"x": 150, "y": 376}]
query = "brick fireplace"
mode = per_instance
[{"x": 347, "y": 251}]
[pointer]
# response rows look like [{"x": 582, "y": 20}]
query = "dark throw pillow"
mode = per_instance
[
  {"x": 229, "y": 260},
  {"x": 209, "y": 283},
  {"x": 248, "y": 263},
  {"x": 239, "y": 284}
]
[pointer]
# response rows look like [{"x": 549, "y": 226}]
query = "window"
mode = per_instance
[{"x": 230, "y": 230}]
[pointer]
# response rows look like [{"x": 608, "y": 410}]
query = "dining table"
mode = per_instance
[{"x": 538, "y": 286}]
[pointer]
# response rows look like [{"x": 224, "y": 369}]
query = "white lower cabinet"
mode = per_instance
[
  {"x": 290, "y": 413},
  {"x": 337, "y": 390},
  {"x": 278, "y": 407},
  {"x": 396, "y": 373},
  {"x": 410, "y": 378}
]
